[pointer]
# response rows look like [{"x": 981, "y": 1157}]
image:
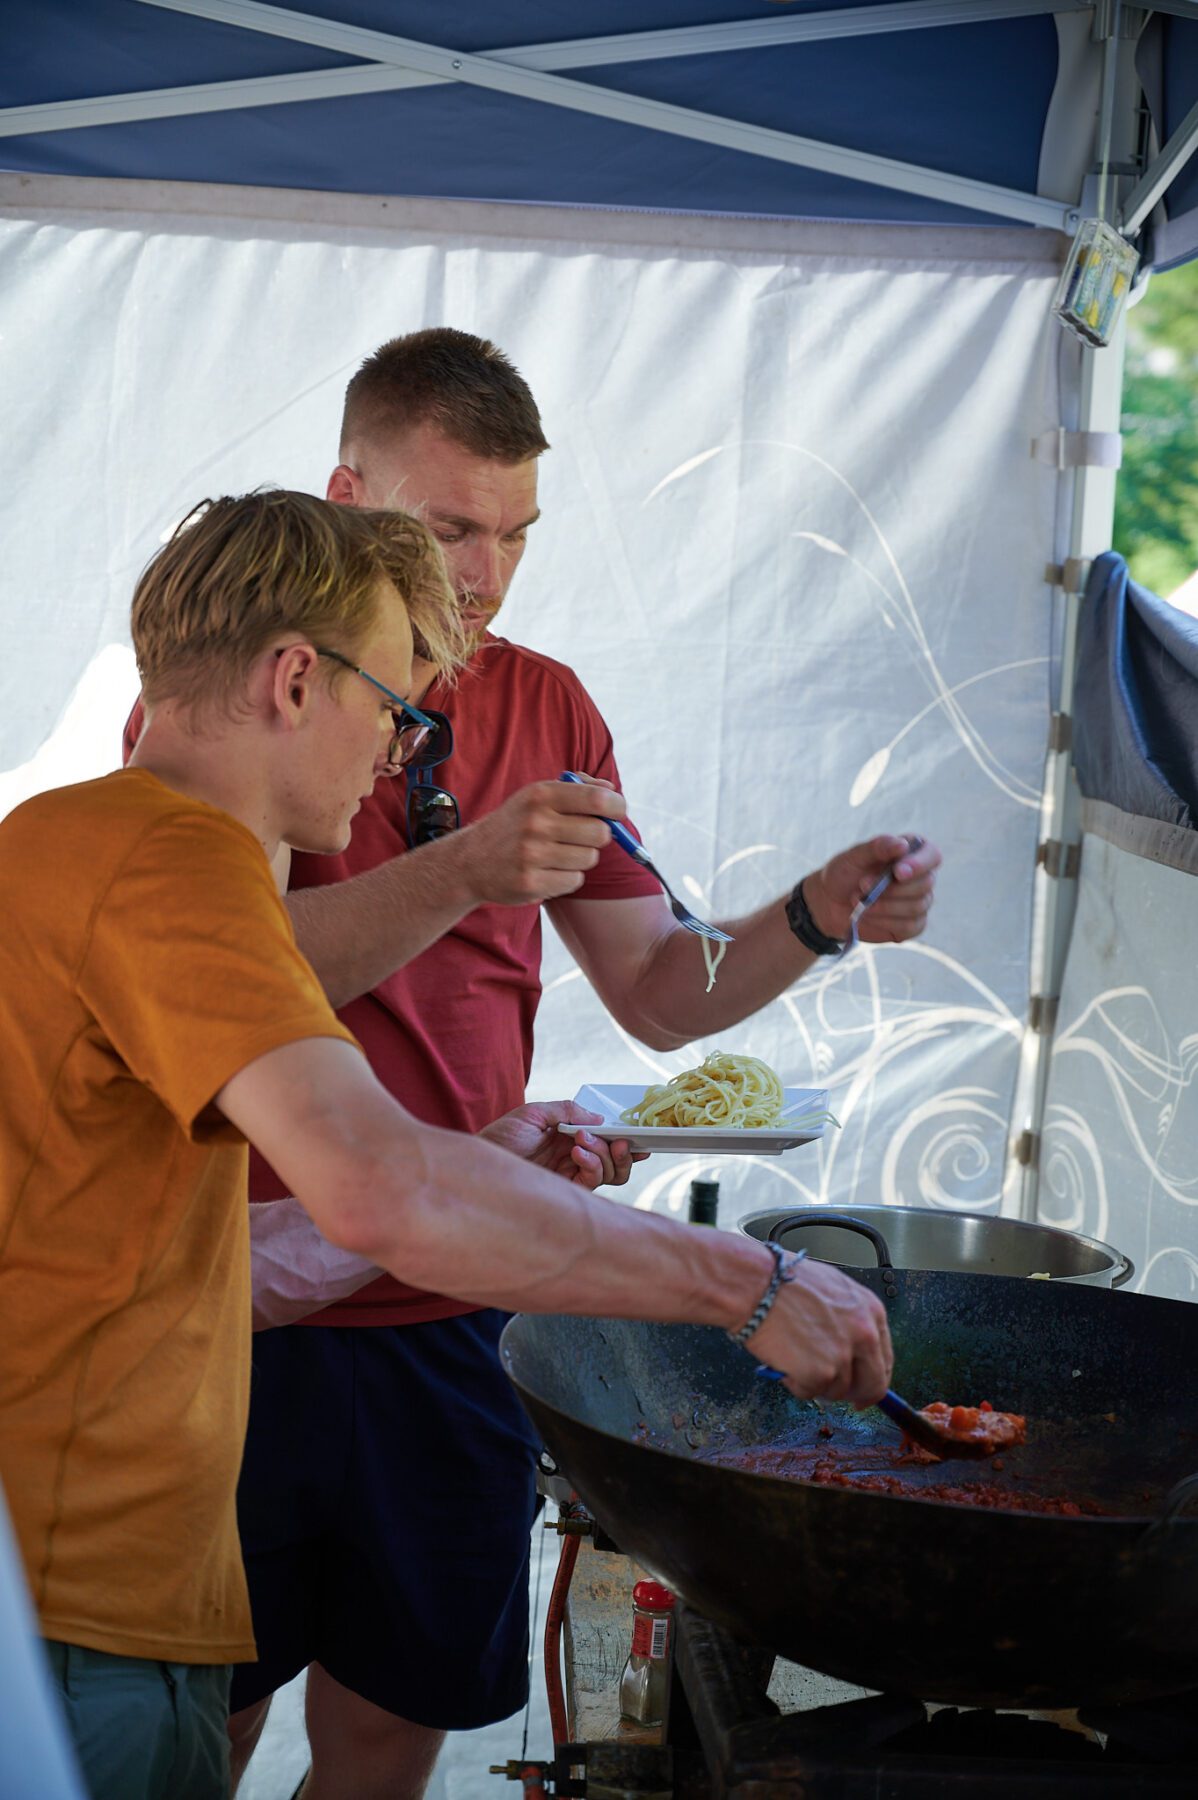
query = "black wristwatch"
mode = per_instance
[{"x": 805, "y": 928}]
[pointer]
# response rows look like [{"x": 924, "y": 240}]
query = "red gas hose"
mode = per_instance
[
  {"x": 553, "y": 1638},
  {"x": 532, "y": 1779}
]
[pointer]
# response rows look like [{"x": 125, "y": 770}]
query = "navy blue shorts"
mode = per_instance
[{"x": 385, "y": 1505}]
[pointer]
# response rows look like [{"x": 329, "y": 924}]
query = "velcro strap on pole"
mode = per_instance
[{"x": 1062, "y": 449}]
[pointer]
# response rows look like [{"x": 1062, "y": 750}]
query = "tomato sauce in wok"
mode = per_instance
[
  {"x": 976, "y": 1424},
  {"x": 891, "y": 1469}
]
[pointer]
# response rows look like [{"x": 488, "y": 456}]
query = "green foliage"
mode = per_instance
[{"x": 1156, "y": 505}]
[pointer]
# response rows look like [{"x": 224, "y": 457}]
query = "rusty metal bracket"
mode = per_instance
[
  {"x": 1061, "y": 861},
  {"x": 1060, "y": 732},
  {"x": 1042, "y": 1012}
]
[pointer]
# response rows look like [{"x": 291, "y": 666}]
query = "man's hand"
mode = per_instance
[
  {"x": 900, "y": 913},
  {"x": 531, "y": 1132},
  {"x": 829, "y": 1337},
  {"x": 537, "y": 846}
]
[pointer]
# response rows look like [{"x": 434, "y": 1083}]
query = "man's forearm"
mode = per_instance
[
  {"x": 511, "y": 1237},
  {"x": 672, "y": 1005},
  {"x": 293, "y": 1270},
  {"x": 485, "y": 1228},
  {"x": 357, "y": 932},
  {"x": 654, "y": 981},
  {"x": 458, "y": 1216},
  {"x": 537, "y": 846}
]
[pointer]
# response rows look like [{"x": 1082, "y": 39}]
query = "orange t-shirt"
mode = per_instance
[{"x": 145, "y": 958}]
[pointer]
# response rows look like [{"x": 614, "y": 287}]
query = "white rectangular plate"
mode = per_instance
[{"x": 613, "y": 1098}]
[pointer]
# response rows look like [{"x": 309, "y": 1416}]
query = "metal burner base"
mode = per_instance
[{"x": 730, "y": 1740}]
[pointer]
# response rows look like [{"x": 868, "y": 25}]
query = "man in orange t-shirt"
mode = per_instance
[{"x": 157, "y": 1016}]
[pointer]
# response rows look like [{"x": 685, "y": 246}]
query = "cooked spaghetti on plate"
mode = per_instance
[
  {"x": 727, "y": 1128},
  {"x": 731, "y": 1092}
]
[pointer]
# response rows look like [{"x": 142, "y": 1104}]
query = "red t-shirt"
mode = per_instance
[{"x": 450, "y": 1034}]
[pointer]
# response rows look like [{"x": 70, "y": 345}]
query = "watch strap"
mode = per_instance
[{"x": 798, "y": 917}]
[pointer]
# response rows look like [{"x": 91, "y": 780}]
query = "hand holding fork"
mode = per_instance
[{"x": 631, "y": 847}]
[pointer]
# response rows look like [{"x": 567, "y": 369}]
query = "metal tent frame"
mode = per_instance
[{"x": 392, "y": 63}]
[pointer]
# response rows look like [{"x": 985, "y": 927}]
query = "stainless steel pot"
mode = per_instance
[{"x": 929, "y": 1238}]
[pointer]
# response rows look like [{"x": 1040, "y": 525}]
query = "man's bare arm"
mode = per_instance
[
  {"x": 357, "y": 932},
  {"x": 650, "y": 973},
  {"x": 537, "y": 846},
  {"x": 294, "y": 1271},
  {"x": 460, "y": 1217}
]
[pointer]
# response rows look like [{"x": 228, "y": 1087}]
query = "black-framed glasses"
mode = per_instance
[
  {"x": 415, "y": 731},
  {"x": 432, "y": 810}
]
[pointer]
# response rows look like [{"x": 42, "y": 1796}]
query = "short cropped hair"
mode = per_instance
[
  {"x": 241, "y": 570},
  {"x": 459, "y": 383}
]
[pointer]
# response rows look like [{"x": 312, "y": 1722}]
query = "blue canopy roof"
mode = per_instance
[{"x": 650, "y": 121}]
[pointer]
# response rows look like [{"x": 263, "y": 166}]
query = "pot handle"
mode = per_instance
[
  {"x": 1126, "y": 1272},
  {"x": 846, "y": 1221},
  {"x": 1173, "y": 1505}
]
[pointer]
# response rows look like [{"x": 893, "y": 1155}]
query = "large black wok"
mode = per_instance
[{"x": 912, "y": 1596}]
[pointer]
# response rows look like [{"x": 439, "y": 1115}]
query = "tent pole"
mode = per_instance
[
  {"x": 1152, "y": 184},
  {"x": 1092, "y": 515},
  {"x": 1091, "y": 520},
  {"x": 577, "y": 53}
]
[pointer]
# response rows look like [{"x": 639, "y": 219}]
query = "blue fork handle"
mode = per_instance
[
  {"x": 875, "y": 893},
  {"x": 622, "y": 836},
  {"x": 883, "y": 882}
]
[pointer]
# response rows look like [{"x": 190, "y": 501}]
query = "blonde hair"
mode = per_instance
[{"x": 241, "y": 570}]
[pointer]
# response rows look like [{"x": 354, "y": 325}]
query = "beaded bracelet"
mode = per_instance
[{"x": 782, "y": 1271}]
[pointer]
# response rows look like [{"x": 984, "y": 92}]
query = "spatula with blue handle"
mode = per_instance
[
  {"x": 640, "y": 855},
  {"x": 921, "y": 1431}
]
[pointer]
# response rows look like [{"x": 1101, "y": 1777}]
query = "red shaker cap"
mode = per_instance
[{"x": 652, "y": 1596}]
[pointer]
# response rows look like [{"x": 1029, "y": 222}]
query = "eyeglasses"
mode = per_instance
[
  {"x": 432, "y": 810},
  {"x": 416, "y": 733}
]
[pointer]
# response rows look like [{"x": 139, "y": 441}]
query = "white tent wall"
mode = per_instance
[
  {"x": 794, "y": 541},
  {"x": 1116, "y": 1159}
]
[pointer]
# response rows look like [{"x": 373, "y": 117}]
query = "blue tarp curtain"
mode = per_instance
[{"x": 1136, "y": 713}]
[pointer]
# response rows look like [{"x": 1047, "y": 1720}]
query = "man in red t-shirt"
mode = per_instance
[{"x": 387, "y": 1490}]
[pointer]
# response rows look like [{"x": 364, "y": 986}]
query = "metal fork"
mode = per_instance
[
  {"x": 875, "y": 893},
  {"x": 640, "y": 855}
]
